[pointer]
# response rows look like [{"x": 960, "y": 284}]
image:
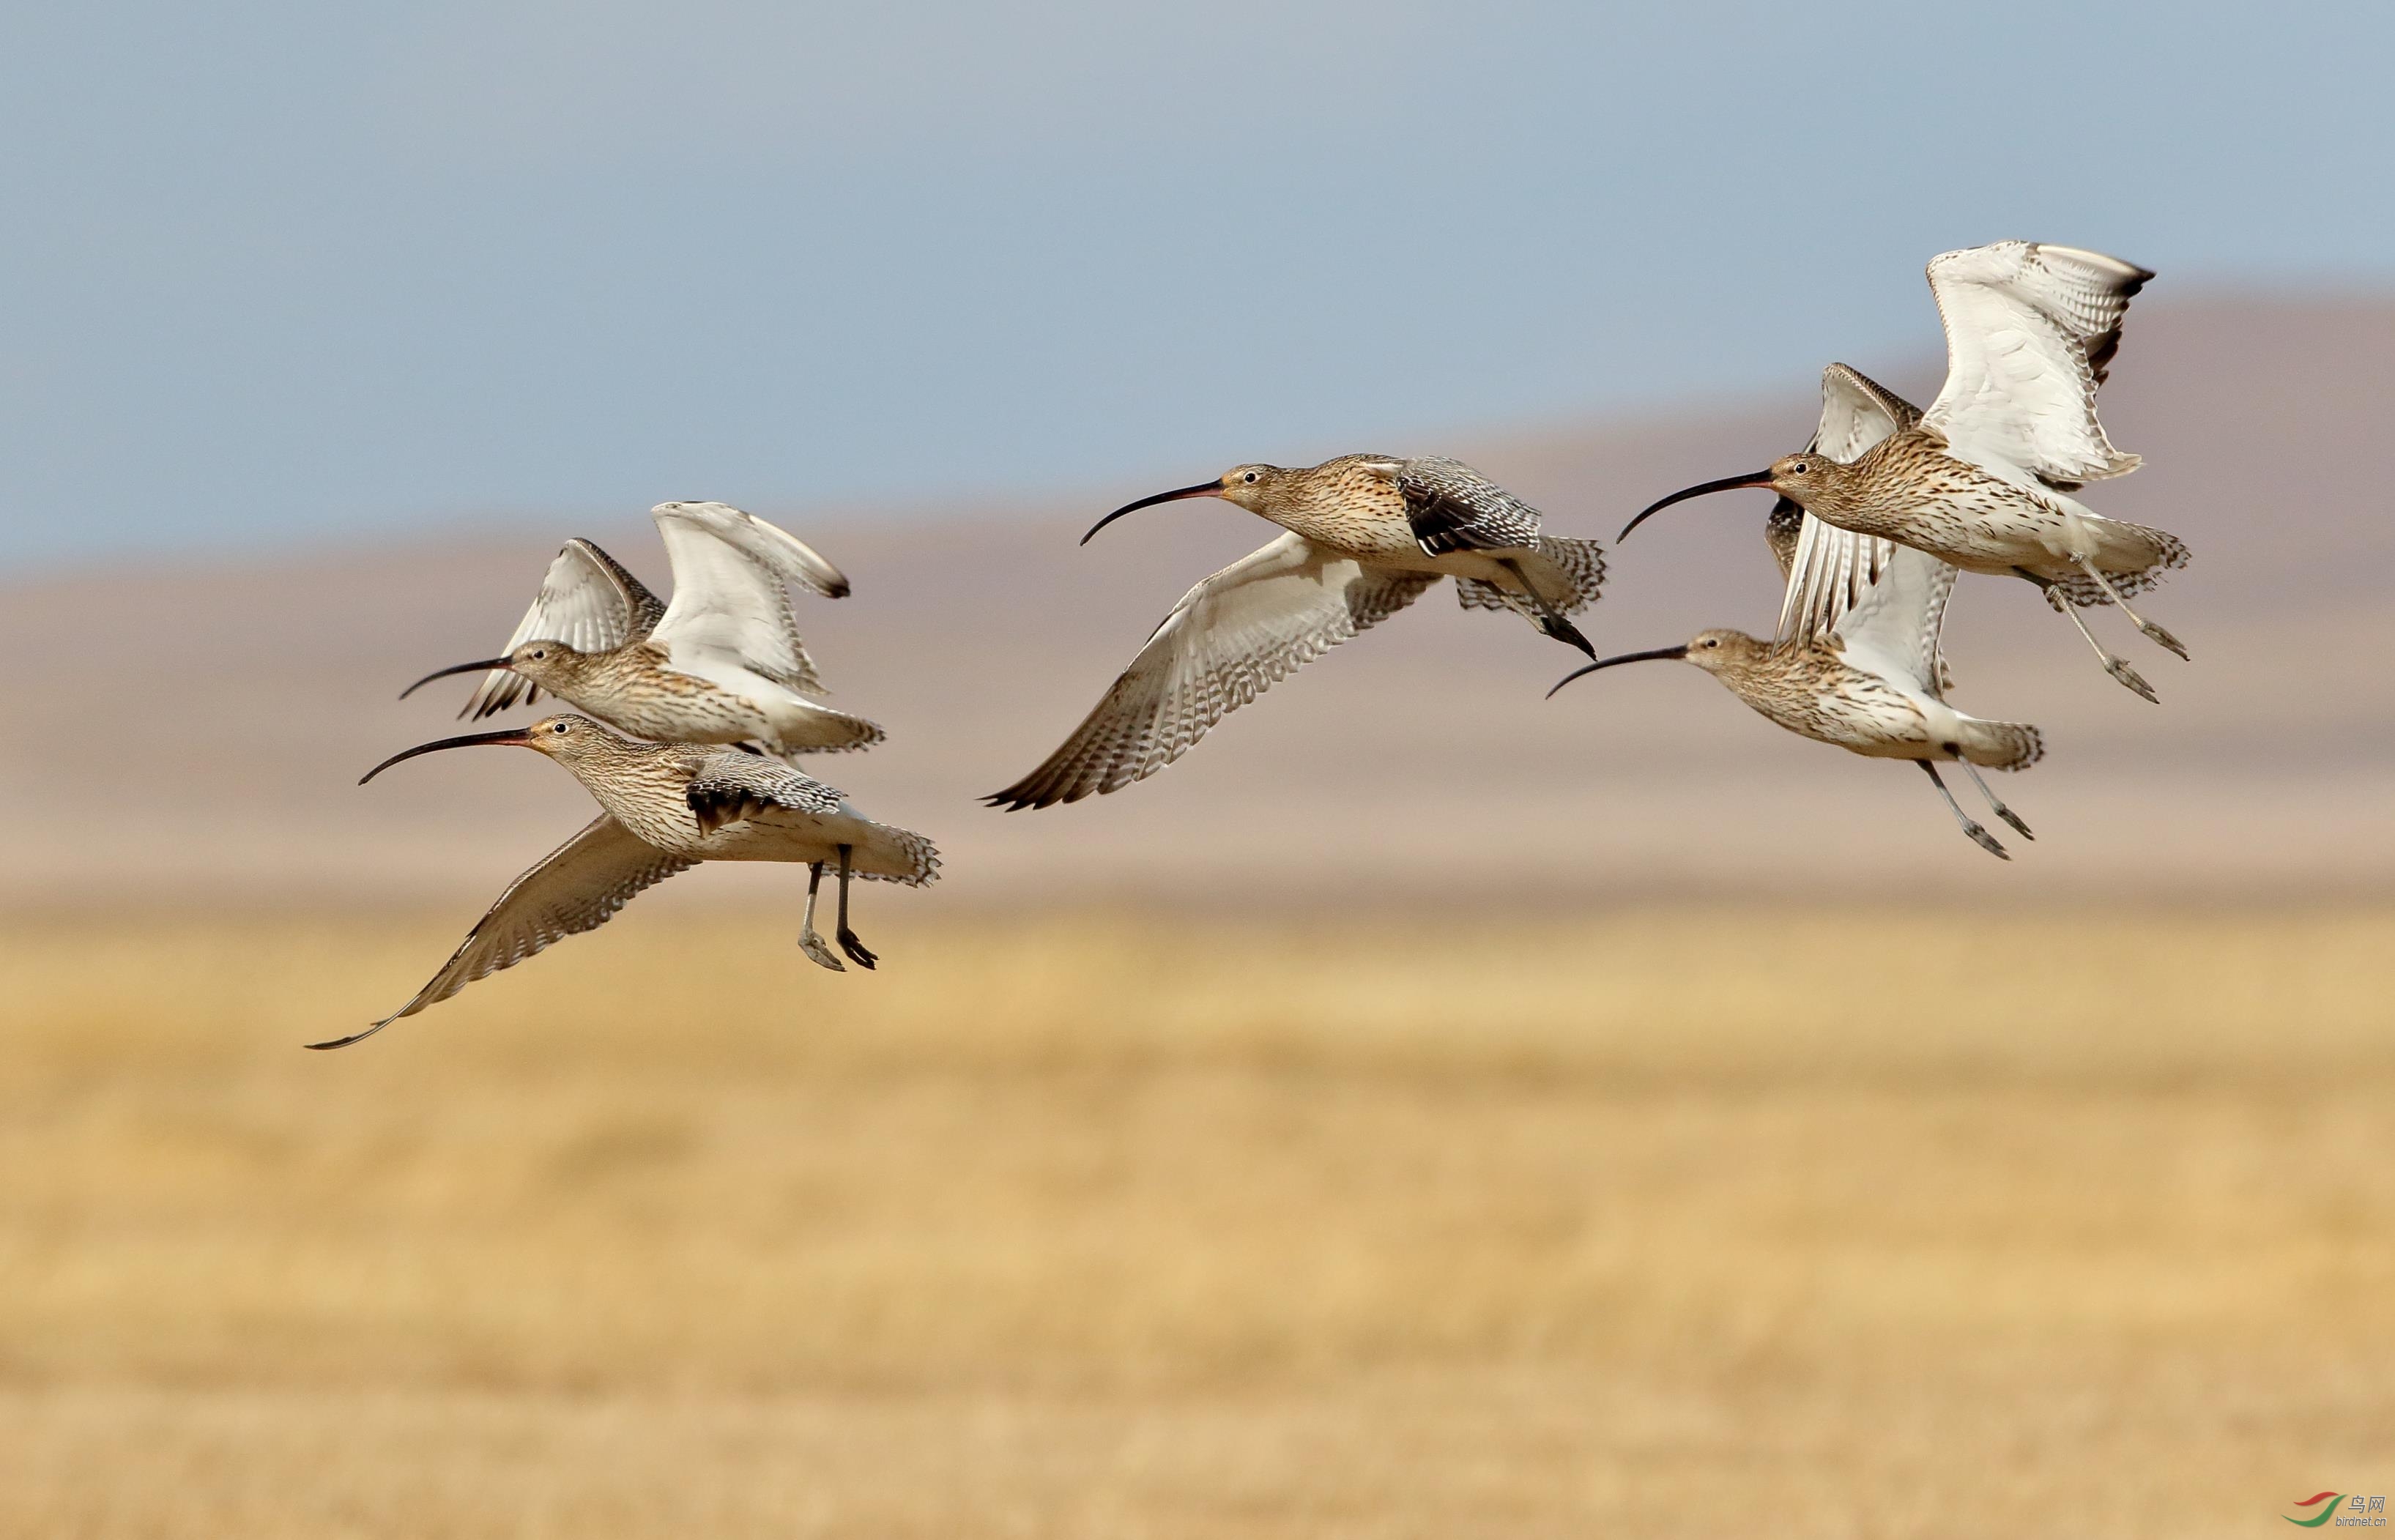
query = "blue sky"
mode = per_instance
[{"x": 318, "y": 271}]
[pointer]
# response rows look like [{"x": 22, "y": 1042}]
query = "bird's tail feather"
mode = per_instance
[
  {"x": 1567, "y": 571},
  {"x": 821, "y": 729},
  {"x": 2002, "y": 745},
  {"x": 914, "y": 860},
  {"x": 2134, "y": 556}
]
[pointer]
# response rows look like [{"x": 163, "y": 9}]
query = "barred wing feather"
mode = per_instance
[
  {"x": 2031, "y": 330},
  {"x": 1834, "y": 568},
  {"x": 577, "y": 887},
  {"x": 730, "y": 601},
  {"x": 587, "y": 601},
  {"x": 1227, "y": 643}
]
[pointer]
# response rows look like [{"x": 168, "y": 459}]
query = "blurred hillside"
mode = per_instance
[{"x": 180, "y": 731}]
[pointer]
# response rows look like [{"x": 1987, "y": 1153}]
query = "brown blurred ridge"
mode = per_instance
[{"x": 218, "y": 718}]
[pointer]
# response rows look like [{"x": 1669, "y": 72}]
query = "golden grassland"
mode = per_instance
[{"x": 1838, "y": 1223}]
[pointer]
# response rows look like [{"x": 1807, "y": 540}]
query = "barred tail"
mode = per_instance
[
  {"x": 905, "y": 856},
  {"x": 1567, "y": 571},
  {"x": 2002, "y": 745},
  {"x": 2134, "y": 556}
]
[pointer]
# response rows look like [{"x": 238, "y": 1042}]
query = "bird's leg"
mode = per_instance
[
  {"x": 2118, "y": 667},
  {"x": 2140, "y": 622},
  {"x": 810, "y": 940},
  {"x": 1979, "y": 836},
  {"x": 1994, "y": 800},
  {"x": 1552, "y": 619},
  {"x": 848, "y": 942}
]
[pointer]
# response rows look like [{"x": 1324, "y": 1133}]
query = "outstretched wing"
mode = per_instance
[
  {"x": 2031, "y": 330},
  {"x": 1454, "y": 508},
  {"x": 735, "y": 786},
  {"x": 1858, "y": 411},
  {"x": 1893, "y": 632},
  {"x": 1229, "y": 639},
  {"x": 732, "y": 576},
  {"x": 587, "y": 601},
  {"x": 577, "y": 887},
  {"x": 1831, "y": 569}
]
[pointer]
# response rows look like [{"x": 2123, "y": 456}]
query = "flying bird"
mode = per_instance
[
  {"x": 1983, "y": 480},
  {"x": 1857, "y": 661},
  {"x": 1826, "y": 569},
  {"x": 1367, "y": 535},
  {"x": 722, "y": 664},
  {"x": 666, "y": 807},
  {"x": 1869, "y": 685}
]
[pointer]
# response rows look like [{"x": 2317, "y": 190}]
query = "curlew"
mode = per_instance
[
  {"x": 666, "y": 807},
  {"x": 1367, "y": 535},
  {"x": 1827, "y": 571},
  {"x": 1983, "y": 480},
  {"x": 722, "y": 663},
  {"x": 1870, "y": 682}
]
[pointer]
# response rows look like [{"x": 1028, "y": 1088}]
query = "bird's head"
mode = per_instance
[
  {"x": 1721, "y": 651},
  {"x": 547, "y": 663},
  {"x": 1811, "y": 479},
  {"x": 1718, "y": 652},
  {"x": 1252, "y": 487},
  {"x": 566, "y": 738},
  {"x": 1807, "y": 479}
]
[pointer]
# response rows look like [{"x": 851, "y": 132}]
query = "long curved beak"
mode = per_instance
[
  {"x": 482, "y": 668},
  {"x": 1679, "y": 652},
  {"x": 1203, "y": 489},
  {"x": 512, "y": 735},
  {"x": 1728, "y": 483}
]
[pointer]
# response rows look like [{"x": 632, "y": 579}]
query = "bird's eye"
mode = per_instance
[
  {"x": 1250, "y": 478},
  {"x": 1712, "y": 641},
  {"x": 560, "y": 730},
  {"x": 1802, "y": 467}
]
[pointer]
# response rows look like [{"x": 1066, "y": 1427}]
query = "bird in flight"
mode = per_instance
[
  {"x": 1983, "y": 480},
  {"x": 1366, "y": 535},
  {"x": 1857, "y": 661},
  {"x": 722, "y": 664},
  {"x": 666, "y": 807}
]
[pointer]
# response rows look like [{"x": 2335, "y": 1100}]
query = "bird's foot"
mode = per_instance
[
  {"x": 812, "y": 943},
  {"x": 2015, "y": 820},
  {"x": 1566, "y": 632},
  {"x": 2119, "y": 670},
  {"x": 2157, "y": 633},
  {"x": 856, "y": 949},
  {"x": 1987, "y": 842}
]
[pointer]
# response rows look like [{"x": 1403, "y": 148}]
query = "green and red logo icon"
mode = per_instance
[
  {"x": 2324, "y": 1501},
  {"x": 2359, "y": 1511}
]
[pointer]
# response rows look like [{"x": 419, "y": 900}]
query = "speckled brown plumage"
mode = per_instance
[
  {"x": 1871, "y": 685},
  {"x": 1366, "y": 535},
  {"x": 1984, "y": 478},
  {"x": 1908, "y": 489},
  {"x": 722, "y": 664},
  {"x": 666, "y": 808}
]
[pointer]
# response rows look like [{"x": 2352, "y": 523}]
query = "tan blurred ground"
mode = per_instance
[{"x": 1854, "y": 1223}]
